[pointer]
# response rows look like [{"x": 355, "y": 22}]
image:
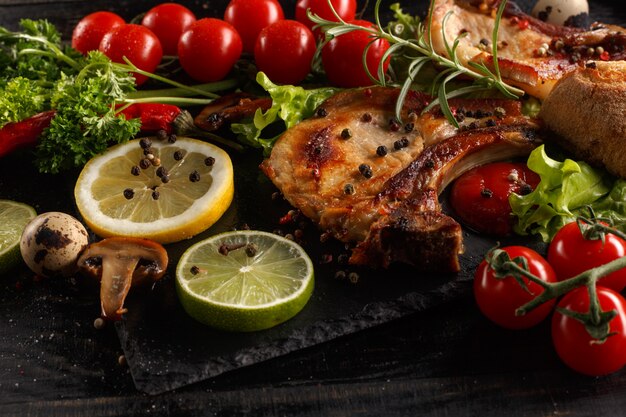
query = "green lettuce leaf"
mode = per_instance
[
  {"x": 567, "y": 189},
  {"x": 290, "y": 105}
]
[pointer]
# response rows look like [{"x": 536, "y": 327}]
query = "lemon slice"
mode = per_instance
[
  {"x": 13, "y": 218},
  {"x": 263, "y": 281},
  {"x": 120, "y": 193}
]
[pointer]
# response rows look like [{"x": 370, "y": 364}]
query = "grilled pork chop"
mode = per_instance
[
  {"x": 523, "y": 58},
  {"x": 367, "y": 179}
]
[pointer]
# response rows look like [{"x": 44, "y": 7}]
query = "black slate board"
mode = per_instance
[{"x": 165, "y": 349}]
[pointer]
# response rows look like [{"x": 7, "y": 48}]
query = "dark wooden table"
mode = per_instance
[{"x": 446, "y": 361}]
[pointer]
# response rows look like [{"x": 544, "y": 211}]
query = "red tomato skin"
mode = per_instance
[
  {"x": 208, "y": 50},
  {"x": 572, "y": 342},
  {"x": 490, "y": 215},
  {"x": 343, "y": 62},
  {"x": 284, "y": 51},
  {"x": 498, "y": 299},
  {"x": 135, "y": 42},
  {"x": 168, "y": 21},
  {"x": 346, "y": 9},
  {"x": 250, "y": 17},
  {"x": 570, "y": 254},
  {"x": 90, "y": 30}
]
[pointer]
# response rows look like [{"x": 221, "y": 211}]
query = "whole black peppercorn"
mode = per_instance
[
  {"x": 178, "y": 155},
  {"x": 172, "y": 138},
  {"x": 394, "y": 125},
  {"x": 346, "y": 133},
  {"x": 145, "y": 143},
  {"x": 381, "y": 150},
  {"x": 194, "y": 176},
  {"x": 194, "y": 270},
  {"x": 525, "y": 189},
  {"x": 209, "y": 161},
  {"x": 366, "y": 117},
  {"x": 161, "y": 135},
  {"x": 161, "y": 172},
  {"x": 155, "y": 195},
  {"x": 486, "y": 192},
  {"x": 348, "y": 189},
  {"x": 321, "y": 112},
  {"x": 129, "y": 193},
  {"x": 135, "y": 170},
  {"x": 145, "y": 163},
  {"x": 366, "y": 170}
]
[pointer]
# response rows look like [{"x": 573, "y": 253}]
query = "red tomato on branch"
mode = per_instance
[
  {"x": 571, "y": 254},
  {"x": 346, "y": 9},
  {"x": 209, "y": 49},
  {"x": 250, "y": 17},
  {"x": 284, "y": 51},
  {"x": 576, "y": 348},
  {"x": 135, "y": 42},
  {"x": 168, "y": 21},
  {"x": 498, "y": 298},
  {"x": 480, "y": 197},
  {"x": 342, "y": 57},
  {"x": 90, "y": 30}
]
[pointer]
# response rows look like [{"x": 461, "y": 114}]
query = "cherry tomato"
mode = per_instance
[
  {"x": 498, "y": 298},
  {"x": 91, "y": 29},
  {"x": 342, "y": 57},
  {"x": 135, "y": 42},
  {"x": 575, "y": 346},
  {"x": 284, "y": 51},
  {"x": 480, "y": 197},
  {"x": 346, "y": 9},
  {"x": 208, "y": 49},
  {"x": 168, "y": 21},
  {"x": 570, "y": 254},
  {"x": 249, "y": 17}
]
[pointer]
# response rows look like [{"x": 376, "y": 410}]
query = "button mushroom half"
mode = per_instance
[{"x": 119, "y": 263}]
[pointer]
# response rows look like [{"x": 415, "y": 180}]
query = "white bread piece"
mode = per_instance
[{"x": 587, "y": 110}]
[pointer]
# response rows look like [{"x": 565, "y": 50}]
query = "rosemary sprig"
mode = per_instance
[{"x": 420, "y": 51}]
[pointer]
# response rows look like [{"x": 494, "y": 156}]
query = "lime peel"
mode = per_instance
[
  {"x": 14, "y": 217},
  {"x": 231, "y": 292}
]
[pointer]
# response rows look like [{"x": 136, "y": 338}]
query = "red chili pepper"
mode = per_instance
[
  {"x": 154, "y": 116},
  {"x": 24, "y": 133}
]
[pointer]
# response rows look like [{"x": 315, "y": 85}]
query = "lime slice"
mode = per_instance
[
  {"x": 264, "y": 282},
  {"x": 13, "y": 218}
]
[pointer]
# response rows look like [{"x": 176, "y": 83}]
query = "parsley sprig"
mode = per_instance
[
  {"x": 412, "y": 39},
  {"x": 38, "y": 72}
]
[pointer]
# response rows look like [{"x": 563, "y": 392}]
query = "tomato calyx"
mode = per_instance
[
  {"x": 596, "y": 321},
  {"x": 596, "y": 228}
]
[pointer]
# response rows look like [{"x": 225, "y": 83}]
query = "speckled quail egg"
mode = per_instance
[
  {"x": 51, "y": 244},
  {"x": 559, "y": 11}
]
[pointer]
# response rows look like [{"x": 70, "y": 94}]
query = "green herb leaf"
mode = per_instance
[
  {"x": 85, "y": 123},
  {"x": 20, "y": 99},
  {"x": 566, "y": 190},
  {"x": 290, "y": 105}
]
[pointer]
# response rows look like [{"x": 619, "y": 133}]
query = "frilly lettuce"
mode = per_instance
[
  {"x": 566, "y": 191},
  {"x": 290, "y": 104}
]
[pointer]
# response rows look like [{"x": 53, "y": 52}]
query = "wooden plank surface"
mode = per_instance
[{"x": 448, "y": 361}]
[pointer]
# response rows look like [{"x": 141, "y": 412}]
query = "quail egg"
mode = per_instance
[
  {"x": 558, "y": 12},
  {"x": 51, "y": 243}
]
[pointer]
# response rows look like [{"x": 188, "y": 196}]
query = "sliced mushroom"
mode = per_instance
[{"x": 119, "y": 263}]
